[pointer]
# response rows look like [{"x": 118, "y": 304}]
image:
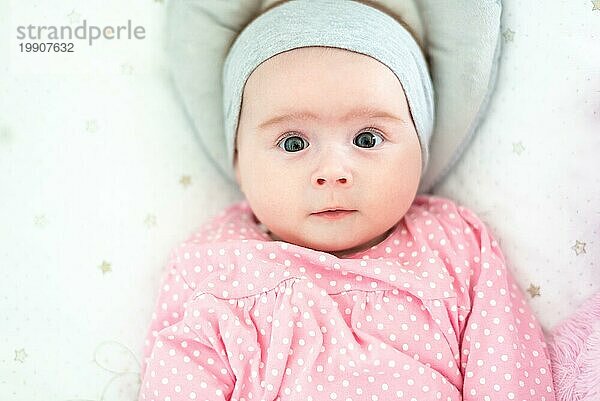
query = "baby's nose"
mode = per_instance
[
  {"x": 333, "y": 171},
  {"x": 340, "y": 181}
]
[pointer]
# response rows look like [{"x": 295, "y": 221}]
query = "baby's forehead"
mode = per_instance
[{"x": 306, "y": 87}]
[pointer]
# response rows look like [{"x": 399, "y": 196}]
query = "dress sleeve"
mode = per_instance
[
  {"x": 503, "y": 354},
  {"x": 188, "y": 362},
  {"x": 169, "y": 305}
]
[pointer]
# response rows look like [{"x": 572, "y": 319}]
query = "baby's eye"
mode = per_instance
[
  {"x": 367, "y": 139},
  {"x": 293, "y": 144}
]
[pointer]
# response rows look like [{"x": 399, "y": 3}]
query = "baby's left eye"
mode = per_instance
[{"x": 367, "y": 139}]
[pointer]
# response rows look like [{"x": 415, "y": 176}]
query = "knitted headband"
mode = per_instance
[{"x": 343, "y": 24}]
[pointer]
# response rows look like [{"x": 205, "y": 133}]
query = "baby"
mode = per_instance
[{"x": 333, "y": 279}]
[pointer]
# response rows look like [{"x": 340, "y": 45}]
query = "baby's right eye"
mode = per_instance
[{"x": 293, "y": 143}]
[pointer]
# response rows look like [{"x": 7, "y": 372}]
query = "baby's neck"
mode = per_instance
[{"x": 344, "y": 252}]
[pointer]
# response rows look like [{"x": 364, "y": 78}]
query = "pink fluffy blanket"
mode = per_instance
[{"x": 574, "y": 347}]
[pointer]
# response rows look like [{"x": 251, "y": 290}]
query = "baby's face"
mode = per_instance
[{"x": 306, "y": 142}]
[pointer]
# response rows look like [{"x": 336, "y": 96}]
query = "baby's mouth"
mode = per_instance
[{"x": 334, "y": 214}]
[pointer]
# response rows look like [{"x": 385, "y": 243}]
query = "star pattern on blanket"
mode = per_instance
[
  {"x": 126, "y": 69},
  {"x": 185, "y": 180},
  {"x": 596, "y": 4},
  {"x": 150, "y": 220},
  {"x": 508, "y": 35},
  {"x": 534, "y": 290},
  {"x": 91, "y": 125},
  {"x": 40, "y": 220},
  {"x": 518, "y": 147},
  {"x": 20, "y": 355},
  {"x": 105, "y": 267},
  {"x": 5, "y": 134},
  {"x": 74, "y": 17},
  {"x": 579, "y": 246}
]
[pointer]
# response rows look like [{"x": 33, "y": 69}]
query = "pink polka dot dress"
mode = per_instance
[{"x": 430, "y": 313}]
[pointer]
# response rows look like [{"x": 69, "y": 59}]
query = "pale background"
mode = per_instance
[{"x": 101, "y": 175}]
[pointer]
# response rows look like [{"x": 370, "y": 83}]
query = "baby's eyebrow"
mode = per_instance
[{"x": 360, "y": 112}]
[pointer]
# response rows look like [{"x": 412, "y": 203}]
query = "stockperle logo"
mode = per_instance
[{"x": 90, "y": 33}]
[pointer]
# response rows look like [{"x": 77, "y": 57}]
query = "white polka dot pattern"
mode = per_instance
[{"x": 431, "y": 313}]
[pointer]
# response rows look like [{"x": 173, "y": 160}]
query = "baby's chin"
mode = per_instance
[{"x": 338, "y": 246}]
